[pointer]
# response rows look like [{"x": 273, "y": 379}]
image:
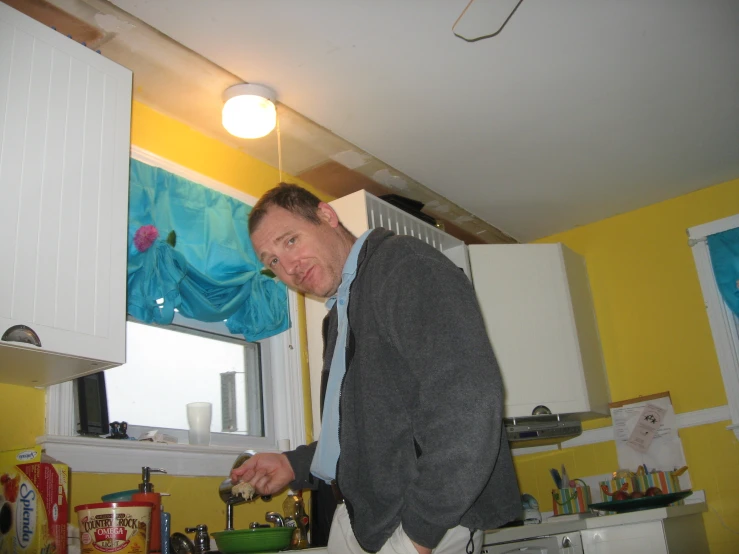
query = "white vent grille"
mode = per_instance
[
  {"x": 361, "y": 211},
  {"x": 381, "y": 214}
]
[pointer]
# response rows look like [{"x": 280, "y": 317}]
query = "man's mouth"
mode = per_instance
[{"x": 305, "y": 276}]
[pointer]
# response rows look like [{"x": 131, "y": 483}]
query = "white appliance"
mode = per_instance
[
  {"x": 564, "y": 543},
  {"x": 542, "y": 430}
]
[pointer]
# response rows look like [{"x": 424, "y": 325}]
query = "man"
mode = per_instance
[{"x": 411, "y": 431}]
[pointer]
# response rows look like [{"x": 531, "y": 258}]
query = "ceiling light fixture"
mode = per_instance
[{"x": 249, "y": 110}]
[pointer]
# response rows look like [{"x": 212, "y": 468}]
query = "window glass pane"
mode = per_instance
[{"x": 169, "y": 367}]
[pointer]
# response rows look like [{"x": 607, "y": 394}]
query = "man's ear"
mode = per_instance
[{"x": 326, "y": 213}]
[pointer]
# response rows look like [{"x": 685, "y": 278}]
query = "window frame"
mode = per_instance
[
  {"x": 213, "y": 330},
  {"x": 282, "y": 384},
  {"x": 721, "y": 319}
]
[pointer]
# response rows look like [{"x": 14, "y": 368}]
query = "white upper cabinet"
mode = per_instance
[
  {"x": 64, "y": 156},
  {"x": 538, "y": 310}
]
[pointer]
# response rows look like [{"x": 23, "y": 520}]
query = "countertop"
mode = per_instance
[{"x": 555, "y": 526}]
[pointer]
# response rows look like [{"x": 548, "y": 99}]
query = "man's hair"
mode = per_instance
[{"x": 289, "y": 197}]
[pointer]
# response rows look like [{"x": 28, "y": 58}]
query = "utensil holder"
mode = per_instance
[
  {"x": 625, "y": 484},
  {"x": 572, "y": 500},
  {"x": 666, "y": 481}
]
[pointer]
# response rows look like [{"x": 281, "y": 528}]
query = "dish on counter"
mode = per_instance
[
  {"x": 253, "y": 541},
  {"x": 644, "y": 503}
]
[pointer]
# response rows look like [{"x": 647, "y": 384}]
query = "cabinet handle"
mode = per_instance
[{"x": 21, "y": 333}]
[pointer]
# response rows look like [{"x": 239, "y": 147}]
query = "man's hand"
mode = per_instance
[
  {"x": 421, "y": 549},
  {"x": 268, "y": 473}
]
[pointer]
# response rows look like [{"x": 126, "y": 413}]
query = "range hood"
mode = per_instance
[{"x": 541, "y": 430}]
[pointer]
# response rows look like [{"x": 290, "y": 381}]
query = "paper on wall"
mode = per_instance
[
  {"x": 647, "y": 425},
  {"x": 661, "y": 448}
]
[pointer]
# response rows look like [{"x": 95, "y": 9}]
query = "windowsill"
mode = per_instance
[{"x": 98, "y": 455}]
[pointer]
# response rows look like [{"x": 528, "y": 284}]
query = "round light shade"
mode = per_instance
[{"x": 249, "y": 111}]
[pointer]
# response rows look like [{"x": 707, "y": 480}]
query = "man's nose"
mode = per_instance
[{"x": 291, "y": 265}]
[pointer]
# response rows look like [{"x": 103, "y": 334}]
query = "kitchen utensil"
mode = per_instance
[
  {"x": 180, "y": 543},
  {"x": 679, "y": 472},
  {"x": 226, "y": 486},
  {"x": 556, "y": 477},
  {"x": 645, "y": 503},
  {"x": 565, "y": 477},
  {"x": 225, "y": 490},
  {"x": 268, "y": 539}
]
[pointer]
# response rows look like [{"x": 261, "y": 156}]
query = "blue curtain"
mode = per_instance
[
  {"x": 724, "y": 248},
  {"x": 212, "y": 272}
]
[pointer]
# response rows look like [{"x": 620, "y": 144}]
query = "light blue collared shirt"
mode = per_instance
[{"x": 327, "y": 450}]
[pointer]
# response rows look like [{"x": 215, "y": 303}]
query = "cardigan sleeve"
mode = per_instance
[{"x": 300, "y": 459}]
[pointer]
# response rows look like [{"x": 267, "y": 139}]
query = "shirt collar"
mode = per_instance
[{"x": 350, "y": 269}]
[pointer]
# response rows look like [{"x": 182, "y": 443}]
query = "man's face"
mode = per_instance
[{"x": 303, "y": 255}]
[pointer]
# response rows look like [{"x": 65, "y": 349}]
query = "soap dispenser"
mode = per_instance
[{"x": 146, "y": 494}]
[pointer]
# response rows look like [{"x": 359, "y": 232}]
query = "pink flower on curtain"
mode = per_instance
[{"x": 145, "y": 237}]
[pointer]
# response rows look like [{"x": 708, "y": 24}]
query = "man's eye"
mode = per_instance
[
  {"x": 291, "y": 240},
  {"x": 273, "y": 262}
]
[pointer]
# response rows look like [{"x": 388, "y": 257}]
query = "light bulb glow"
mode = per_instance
[{"x": 249, "y": 116}]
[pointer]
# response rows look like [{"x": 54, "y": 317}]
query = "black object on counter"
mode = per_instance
[
  {"x": 644, "y": 503},
  {"x": 118, "y": 430},
  {"x": 93, "y": 404},
  {"x": 179, "y": 543}
]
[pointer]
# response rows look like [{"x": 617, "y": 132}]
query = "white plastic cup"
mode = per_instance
[{"x": 199, "y": 415}]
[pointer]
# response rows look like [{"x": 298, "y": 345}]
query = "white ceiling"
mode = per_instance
[{"x": 577, "y": 110}]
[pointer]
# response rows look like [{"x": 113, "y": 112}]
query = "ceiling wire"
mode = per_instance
[
  {"x": 483, "y": 36},
  {"x": 279, "y": 145}
]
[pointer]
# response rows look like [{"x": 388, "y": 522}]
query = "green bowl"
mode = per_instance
[{"x": 265, "y": 539}]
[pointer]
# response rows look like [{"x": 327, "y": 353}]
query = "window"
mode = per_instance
[
  {"x": 724, "y": 324},
  {"x": 168, "y": 367},
  {"x": 278, "y": 395}
]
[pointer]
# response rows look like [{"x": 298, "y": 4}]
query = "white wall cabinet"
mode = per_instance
[
  {"x": 539, "y": 314},
  {"x": 64, "y": 157}
]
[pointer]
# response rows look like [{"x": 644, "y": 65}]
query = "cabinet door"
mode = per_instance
[
  {"x": 540, "y": 545},
  {"x": 64, "y": 155},
  {"x": 537, "y": 308}
]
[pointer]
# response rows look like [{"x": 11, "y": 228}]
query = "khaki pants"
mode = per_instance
[{"x": 341, "y": 539}]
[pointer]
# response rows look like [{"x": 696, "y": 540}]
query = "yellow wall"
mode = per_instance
[
  {"x": 655, "y": 336},
  {"x": 22, "y": 415},
  {"x": 193, "y": 501}
]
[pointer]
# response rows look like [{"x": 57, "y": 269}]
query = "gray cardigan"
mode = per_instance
[{"x": 421, "y": 432}]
